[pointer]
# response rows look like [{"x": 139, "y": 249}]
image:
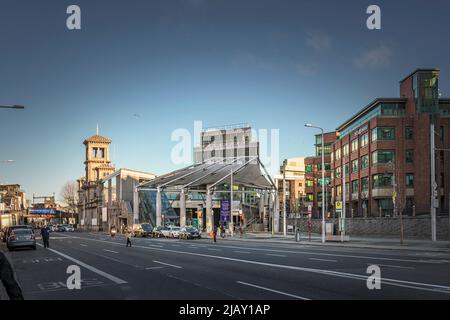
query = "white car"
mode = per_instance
[
  {"x": 174, "y": 232},
  {"x": 68, "y": 228}
]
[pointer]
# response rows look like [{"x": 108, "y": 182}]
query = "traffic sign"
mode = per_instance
[{"x": 338, "y": 205}]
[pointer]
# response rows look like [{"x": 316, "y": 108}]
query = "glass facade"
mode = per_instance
[
  {"x": 382, "y": 180},
  {"x": 326, "y": 147},
  {"x": 383, "y": 133},
  {"x": 364, "y": 161},
  {"x": 383, "y": 156},
  {"x": 426, "y": 91}
]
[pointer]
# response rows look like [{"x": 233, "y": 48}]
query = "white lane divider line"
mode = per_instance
[
  {"x": 152, "y": 268},
  {"x": 246, "y": 252},
  {"x": 275, "y": 255},
  {"x": 167, "y": 264},
  {"x": 387, "y": 281},
  {"x": 83, "y": 245},
  {"x": 154, "y": 245},
  {"x": 272, "y": 290},
  {"x": 327, "y": 260},
  {"x": 211, "y": 249},
  {"x": 110, "y": 251},
  {"x": 392, "y": 266},
  {"x": 85, "y": 265}
]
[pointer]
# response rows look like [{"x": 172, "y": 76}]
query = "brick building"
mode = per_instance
[
  {"x": 383, "y": 152},
  {"x": 313, "y": 175}
]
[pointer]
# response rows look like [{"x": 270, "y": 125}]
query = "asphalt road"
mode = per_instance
[{"x": 203, "y": 270}]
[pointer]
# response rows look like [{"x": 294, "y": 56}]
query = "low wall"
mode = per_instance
[{"x": 414, "y": 227}]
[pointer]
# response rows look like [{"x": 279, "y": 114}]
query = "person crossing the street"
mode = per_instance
[
  {"x": 45, "y": 233},
  {"x": 128, "y": 235}
]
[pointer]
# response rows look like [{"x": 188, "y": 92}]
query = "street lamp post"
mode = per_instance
[
  {"x": 284, "y": 197},
  {"x": 394, "y": 198},
  {"x": 309, "y": 125}
]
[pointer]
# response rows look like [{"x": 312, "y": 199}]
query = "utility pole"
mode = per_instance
[
  {"x": 231, "y": 205},
  {"x": 344, "y": 206},
  {"x": 284, "y": 197}
]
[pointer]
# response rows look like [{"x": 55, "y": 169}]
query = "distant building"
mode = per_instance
[
  {"x": 295, "y": 185},
  {"x": 313, "y": 175},
  {"x": 97, "y": 166},
  {"x": 226, "y": 142},
  {"x": 13, "y": 204},
  {"x": 118, "y": 198}
]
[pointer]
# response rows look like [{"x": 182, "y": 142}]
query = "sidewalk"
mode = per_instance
[{"x": 355, "y": 242}]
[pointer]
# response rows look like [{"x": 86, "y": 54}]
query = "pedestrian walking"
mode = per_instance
[
  {"x": 128, "y": 234},
  {"x": 215, "y": 233},
  {"x": 8, "y": 279},
  {"x": 45, "y": 233}
]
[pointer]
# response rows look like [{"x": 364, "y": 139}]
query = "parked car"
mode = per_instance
[
  {"x": 157, "y": 232},
  {"x": 68, "y": 228},
  {"x": 142, "y": 230},
  {"x": 189, "y": 233},
  {"x": 166, "y": 231},
  {"x": 8, "y": 230},
  {"x": 174, "y": 232},
  {"x": 21, "y": 238}
]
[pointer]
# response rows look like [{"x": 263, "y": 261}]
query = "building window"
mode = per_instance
[
  {"x": 338, "y": 190},
  {"x": 382, "y": 180},
  {"x": 326, "y": 148},
  {"x": 364, "y": 161},
  {"x": 327, "y": 181},
  {"x": 327, "y": 166},
  {"x": 355, "y": 184},
  {"x": 213, "y": 153},
  {"x": 410, "y": 180},
  {"x": 338, "y": 172},
  {"x": 338, "y": 154},
  {"x": 346, "y": 169},
  {"x": 382, "y": 156},
  {"x": 365, "y": 184},
  {"x": 345, "y": 149},
  {"x": 364, "y": 139},
  {"x": 354, "y": 145},
  {"x": 309, "y": 183},
  {"x": 441, "y": 134},
  {"x": 383, "y": 134},
  {"x": 409, "y": 133},
  {"x": 310, "y": 197},
  {"x": 355, "y": 165},
  {"x": 409, "y": 157},
  {"x": 309, "y": 168}
]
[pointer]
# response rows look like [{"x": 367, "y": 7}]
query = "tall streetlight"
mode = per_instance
[
  {"x": 284, "y": 197},
  {"x": 391, "y": 163},
  {"x": 309, "y": 125}
]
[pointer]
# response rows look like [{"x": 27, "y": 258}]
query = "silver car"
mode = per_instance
[{"x": 21, "y": 238}]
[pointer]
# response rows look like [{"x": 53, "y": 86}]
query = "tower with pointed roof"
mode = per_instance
[{"x": 97, "y": 163}]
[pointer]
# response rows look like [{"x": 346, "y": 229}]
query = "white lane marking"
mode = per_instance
[
  {"x": 272, "y": 290},
  {"x": 110, "y": 251},
  {"x": 339, "y": 255},
  {"x": 317, "y": 259},
  {"x": 85, "y": 265},
  {"x": 83, "y": 245},
  {"x": 393, "y": 282},
  {"x": 151, "y": 268},
  {"x": 154, "y": 245},
  {"x": 392, "y": 266},
  {"x": 211, "y": 249},
  {"x": 242, "y": 252},
  {"x": 275, "y": 255},
  {"x": 167, "y": 264}
]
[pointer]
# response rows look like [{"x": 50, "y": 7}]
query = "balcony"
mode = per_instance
[{"x": 382, "y": 192}]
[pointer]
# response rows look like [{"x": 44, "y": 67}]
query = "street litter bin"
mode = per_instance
[{"x": 297, "y": 235}]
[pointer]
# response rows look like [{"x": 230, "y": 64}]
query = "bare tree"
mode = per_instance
[{"x": 69, "y": 195}]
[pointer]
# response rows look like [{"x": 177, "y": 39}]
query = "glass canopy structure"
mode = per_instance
[{"x": 197, "y": 195}]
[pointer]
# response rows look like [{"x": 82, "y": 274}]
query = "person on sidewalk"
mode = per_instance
[
  {"x": 45, "y": 233},
  {"x": 215, "y": 233},
  {"x": 128, "y": 234},
  {"x": 7, "y": 277}
]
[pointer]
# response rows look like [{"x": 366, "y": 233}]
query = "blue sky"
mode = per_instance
[{"x": 141, "y": 69}]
